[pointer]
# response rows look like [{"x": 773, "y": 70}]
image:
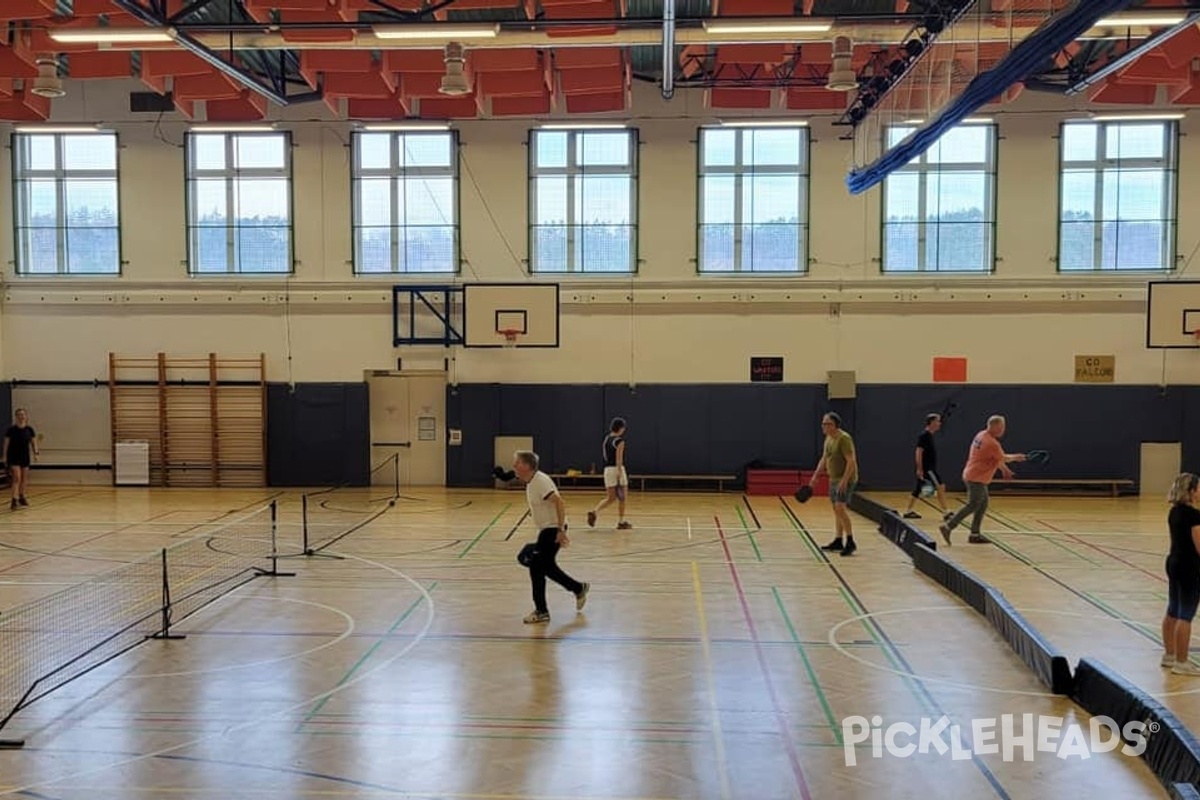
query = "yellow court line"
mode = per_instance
[{"x": 718, "y": 736}]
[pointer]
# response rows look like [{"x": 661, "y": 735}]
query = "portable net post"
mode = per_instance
[{"x": 165, "y": 631}]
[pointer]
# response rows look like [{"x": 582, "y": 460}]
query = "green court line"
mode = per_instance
[
  {"x": 869, "y": 624},
  {"x": 749, "y": 533},
  {"x": 808, "y": 667},
  {"x": 408, "y": 612},
  {"x": 1144, "y": 626},
  {"x": 480, "y": 535}
]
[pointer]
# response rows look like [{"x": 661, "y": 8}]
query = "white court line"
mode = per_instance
[{"x": 689, "y": 528}]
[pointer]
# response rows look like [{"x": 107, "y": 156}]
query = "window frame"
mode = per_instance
[
  {"x": 633, "y": 172},
  {"x": 1171, "y": 135},
  {"x": 232, "y": 176},
  {"x": 61, "y": 176},
  {"x": 991, "y": 171},
  {"x": 397, "y": 178},
  {"x": 739, "y": 170}
]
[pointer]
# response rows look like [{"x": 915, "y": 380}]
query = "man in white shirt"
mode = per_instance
[{"x": 549, "y": 515}]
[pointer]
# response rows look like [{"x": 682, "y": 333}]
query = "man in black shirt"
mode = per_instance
[{"x": 927, "y": 468}]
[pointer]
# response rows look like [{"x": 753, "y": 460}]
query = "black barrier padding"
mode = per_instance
[
  {"x": 931, "y": 563},
  {"x": 904, "y": 535},
  {"x": 1172, "y": 752},
  {"x": 1050, "y": 666},
  {"x": 1183, "y": 791},
  {"x": 866, "y": 507}
]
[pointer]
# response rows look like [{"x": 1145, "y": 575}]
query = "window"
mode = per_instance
[
  {"x": 239, "y": 202},
  {"x": 67, "y": 219},
  {"x": 753, "y": 200},
  {"x": 1117, "y": 207},
  {"x": 939, "y": 210},
  {"x": 405, "y": 202},
  {"x": 583, "y": 199}
]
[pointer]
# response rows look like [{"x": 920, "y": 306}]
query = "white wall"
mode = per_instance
[{"x": 1023, "y": 324}]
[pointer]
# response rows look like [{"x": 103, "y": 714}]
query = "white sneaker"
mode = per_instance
[
  {"x": 1167, "y": 661},
  {"x": 1185, "y": 668}
]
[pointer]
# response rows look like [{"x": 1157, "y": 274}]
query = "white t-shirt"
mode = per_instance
[{"x": 539, "y": 493}]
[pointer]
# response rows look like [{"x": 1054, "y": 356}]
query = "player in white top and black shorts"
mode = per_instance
[
  {"x": 616, "y": 481},
  {"x": 550, "y": 518}
]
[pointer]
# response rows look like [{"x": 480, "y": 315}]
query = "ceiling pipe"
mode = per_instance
[
  {"x": 184, "y": 40},
  {"x": 1127, "y": 58},
  {"x": 668, "y": 50}
]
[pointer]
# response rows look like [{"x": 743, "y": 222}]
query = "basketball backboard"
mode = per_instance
[
  {"x": 531, "y": 309},
  {"x": 1172, "y": 314}
]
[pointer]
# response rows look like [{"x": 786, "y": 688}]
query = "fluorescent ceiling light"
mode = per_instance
[
  {"x": 437, "y": 32},
  {"x": 1141, "y": 21},
  {"x": 218, "y": 127},
  {"x": 113, "y": 35},
  {"x": 967, "y": 121},
  {"x": 717, "y": 28},
  {"x": 583, "y": 126},
  {"x": 59, "y": 129},
  {"x": 764, "y": 123},
  {"x": 1131, "y": 117},
  {"x": 404, "y": 126}
]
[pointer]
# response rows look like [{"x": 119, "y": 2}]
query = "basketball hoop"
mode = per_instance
[{"x": 510, "y": 337}]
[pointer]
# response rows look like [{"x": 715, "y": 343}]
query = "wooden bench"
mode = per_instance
[
  {"x": 563, "y": 478},
  {"x": 1062, "y": 485}
]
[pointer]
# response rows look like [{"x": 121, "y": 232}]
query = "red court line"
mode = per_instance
[
  {"x": 1100, "y": 549},
  {"x": 793, "y": 756}
]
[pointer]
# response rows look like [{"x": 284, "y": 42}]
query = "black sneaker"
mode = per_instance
[
  {"x": 911, "y": 515},
  {"x": 976, "y": 538},
  {"x": 14, "y": 504},
  {"x": 945, "y": 531},
  {"x": 849, "y": 548},
  {"x": 22, "y": 501},
  {"x": 836, "y": 544}
]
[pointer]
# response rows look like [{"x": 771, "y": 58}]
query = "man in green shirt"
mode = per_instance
[{"x": 841, "y": 463}]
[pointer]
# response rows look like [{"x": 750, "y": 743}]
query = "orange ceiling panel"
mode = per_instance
[
  {"x": 816, "y": 99},
  {"x": 1113, "y": 91},
  {"x": 756, "y": 8},
  {"x": 291, "y": 5},
  {"x": 596, "y": 103},
  {"x": 210, "y": 86},
  {"x": 738, "y": 97},
  {"x": 513, "y": 60},
  {"x": 578, "y": 81},
  {"x": 394, "y": 106},
  {"x": 421, "y": 84},
  {"x": 24, "y": 107},
  {"x": 1151, "y": 68},
  {"x": 1181, "y": 48},
  {"x": 172, "y": 63},
  {"x": 26, "y": 9},
  {"x": 448, "y": 107},
  {"x": 513, "y": 84},
  {"x": 359, "y": 84},
  {"x": 521, "y": 106},
  {"x": 314, "y": 62},
  {"x": 404, "y": 61},
  {"x": 110, "y": 64},
  {"x": 588, "y": 57},
  {"x": 17, "y": 62},
  {"x": 1187, "y": 93},
  {"x": 247, "y": 107}
]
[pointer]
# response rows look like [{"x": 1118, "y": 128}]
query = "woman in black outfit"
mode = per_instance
[
  {"x": 1183, "y": 575},
  {"x": 20, "y": 446}
]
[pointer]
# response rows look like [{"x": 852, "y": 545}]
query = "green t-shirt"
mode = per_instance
[{"x": 837, "y": 449}]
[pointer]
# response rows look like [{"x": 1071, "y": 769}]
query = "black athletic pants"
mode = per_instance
[{"x": 544, "y": 566}]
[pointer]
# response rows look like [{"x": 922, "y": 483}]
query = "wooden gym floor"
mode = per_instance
[{"x": 717, "y": 657}]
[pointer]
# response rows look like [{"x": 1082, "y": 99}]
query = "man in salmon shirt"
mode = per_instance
[{"x": 984, "y": 458}]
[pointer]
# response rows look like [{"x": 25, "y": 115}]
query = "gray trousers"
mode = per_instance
[{"x": 977, "y": 504}]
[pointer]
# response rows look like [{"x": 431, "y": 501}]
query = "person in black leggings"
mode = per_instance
[
  {"x": 549, "y": 515},
  {"x": 20, "y": 446},
  {"x": 1183, "y": 575}
]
